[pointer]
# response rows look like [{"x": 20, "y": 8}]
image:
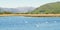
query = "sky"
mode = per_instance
[{"x": 24, "y": 3}]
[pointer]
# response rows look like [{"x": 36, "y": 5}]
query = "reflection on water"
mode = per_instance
[
  {"x": 37, "y": 25},
  {"x": 25, "y": 23},
  {"x": 55, "y": 22},
  {"x": 46, "y": 22}
]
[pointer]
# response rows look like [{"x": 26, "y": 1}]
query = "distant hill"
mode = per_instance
[
  {"x": 50, "y": 8},
  {"x": 17, "y": 10}
]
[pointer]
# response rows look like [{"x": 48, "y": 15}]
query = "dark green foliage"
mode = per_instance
[
  {"x": 5, "y": 12},
  {"x": 51, "y": 8}
]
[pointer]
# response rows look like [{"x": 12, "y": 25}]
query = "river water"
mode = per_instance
[{"x": 29, "y": 23}]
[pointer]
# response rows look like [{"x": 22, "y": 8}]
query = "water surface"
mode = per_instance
[{"x": 29, "y": 23}]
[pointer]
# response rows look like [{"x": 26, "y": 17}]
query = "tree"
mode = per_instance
[{"x": 5, "y": 12}]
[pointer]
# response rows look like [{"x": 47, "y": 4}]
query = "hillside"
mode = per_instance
[
  {"x": 50, "y": 8},
  {"x": 17, "y": 10}
]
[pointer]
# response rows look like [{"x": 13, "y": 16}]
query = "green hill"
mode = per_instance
[{"x": 50, "y": 8}]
